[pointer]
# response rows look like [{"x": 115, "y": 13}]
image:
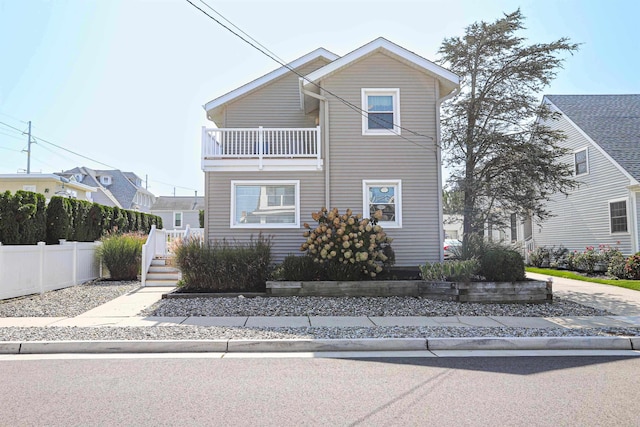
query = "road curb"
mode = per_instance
[{"x": 321, "y": 345}]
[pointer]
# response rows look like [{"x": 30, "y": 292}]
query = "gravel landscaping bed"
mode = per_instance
[
  {"x": 211, "y": 332},
  {"x": 67, "y": 302},
  {"x": 359, "y": 306}
]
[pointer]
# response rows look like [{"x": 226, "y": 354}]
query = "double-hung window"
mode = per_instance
[
  {"x": 581, "y": 162},
  {"x": 177, "y": 220},
  {"x": 381, "y": 111},
  {"x": 265, "y": 204},
  {"x": 618, "y": 216},
  {"x": 384, "y": 196}
]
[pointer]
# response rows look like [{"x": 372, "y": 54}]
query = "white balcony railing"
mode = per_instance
[{"x": 261, "y": 144}]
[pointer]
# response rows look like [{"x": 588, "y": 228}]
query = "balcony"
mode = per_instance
[{"x": 250, "y": 149}]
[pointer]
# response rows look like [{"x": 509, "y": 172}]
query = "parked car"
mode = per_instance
[{"x": 452, "y": 248}]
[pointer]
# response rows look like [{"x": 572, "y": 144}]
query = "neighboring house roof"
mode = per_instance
[
  {"x": 448, "y": 80},
  {"x": 122, "y": 190},
  {"x": 267, "y": 78},
  {"x": 610, "y": 121},
  {"x": 178, "y": 203}
]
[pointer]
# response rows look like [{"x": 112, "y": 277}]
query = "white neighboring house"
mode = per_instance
[
  {"x": 603, "y": 136},
  {"x": 179, "y": 211}
]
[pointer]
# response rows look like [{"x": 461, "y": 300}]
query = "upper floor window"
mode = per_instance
[
  {"x": 384, "y": 196},
  {"x": 581, "y": 162},
  {"x": 618, "y": 216},
  {"x": 105, "y": 180},
  {"x": 382, "y": 111}
]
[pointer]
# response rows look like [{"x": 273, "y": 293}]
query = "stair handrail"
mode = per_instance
[{"x": 148, "y": 252}]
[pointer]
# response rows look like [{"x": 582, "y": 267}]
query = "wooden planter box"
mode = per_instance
[{"x": 529, "y": 291}]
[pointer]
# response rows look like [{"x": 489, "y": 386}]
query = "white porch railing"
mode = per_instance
[
  {"x": 261, "y": 143},
  {"x": 159, "y": 244}
]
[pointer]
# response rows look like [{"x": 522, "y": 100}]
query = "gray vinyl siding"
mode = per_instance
[
  {"x": 276, "y": 104},
  {"x": 285, "y": 241},
  {"x": 355, "y": 157},
  {"x": 582, "y": 218}
]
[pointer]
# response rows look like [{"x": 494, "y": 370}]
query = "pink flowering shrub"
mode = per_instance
[{"x": 348, "y": 246}]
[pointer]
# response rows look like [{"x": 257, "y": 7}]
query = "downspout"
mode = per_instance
[
  {"x": 439, "y": 160},
  {"x": 325, "y": 140}
]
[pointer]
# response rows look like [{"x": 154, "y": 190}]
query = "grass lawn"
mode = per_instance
[{"x": 629, "y": 284}]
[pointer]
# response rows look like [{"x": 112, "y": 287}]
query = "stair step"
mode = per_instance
[
  {"x": 163, "y": 269},
  {"x": 163, "y": 276},
  {"x": 171, "y": 283}
]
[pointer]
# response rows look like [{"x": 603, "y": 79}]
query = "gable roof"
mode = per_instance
[
  {"x": 267, "y": 78},
  {"x": 448, "y": 80},
  {"x": 611, "y": 121},
  {"x": 121, "y": 192}
]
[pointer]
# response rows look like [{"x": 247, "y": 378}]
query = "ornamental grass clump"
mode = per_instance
[
  {"x": 348, "y": 246},
  {"x": 223, "y": 266},
  {"x": 122, "y": 255}
]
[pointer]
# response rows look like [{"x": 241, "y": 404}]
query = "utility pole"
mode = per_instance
[
  {"x": 29, "y": 142},
  {"x": 146, "y": 181}
]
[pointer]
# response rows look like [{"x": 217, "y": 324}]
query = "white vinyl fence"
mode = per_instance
[{"x": 31, "y": 269}]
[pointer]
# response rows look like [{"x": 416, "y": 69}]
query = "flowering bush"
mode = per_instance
[
  {"x": 349, "y": 246},
  {"x": 632, "y": 267}
]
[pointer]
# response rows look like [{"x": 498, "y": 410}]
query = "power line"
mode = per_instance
[{"x": 288, "y": 67}]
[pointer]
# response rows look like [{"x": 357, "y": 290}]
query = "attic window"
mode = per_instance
[
  {"x": 581, "y": 162},
  {"x": 382, "y": 112},
  {"x": 105, "y": 180}
]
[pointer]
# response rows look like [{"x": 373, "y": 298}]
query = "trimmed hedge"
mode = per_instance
[
  {"x": 25, "y": 219},
  {"x": 22, "y": 218}
]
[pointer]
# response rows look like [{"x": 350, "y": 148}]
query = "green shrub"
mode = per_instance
[
  {"x": 223, "y": 266},
  {"x": 502, "y": 265},
  {"x": 540, "y": 257},
  {"x": 347, "y": 246},
  {"x": 299, "y": 268},
  {"x": 122, "y": 255},
  {"x": 22, "y": 218},
  {"x": 451, "y": 271},
  {"x": 201, "y": 218},
  {"x": 58, "y": 220}
]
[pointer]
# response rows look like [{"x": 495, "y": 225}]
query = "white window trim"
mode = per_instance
[
  {"x": 586, "y": 149},
  {"x": 609, "y": 202},
  {"x": 366, "y": 183},
  {"x": 395, "y": 92},
  {"x": 181, "y": 220},
  {"x": 232, "y": 210}
]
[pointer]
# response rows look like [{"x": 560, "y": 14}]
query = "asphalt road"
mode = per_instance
[{"x": 523, "y": 391}]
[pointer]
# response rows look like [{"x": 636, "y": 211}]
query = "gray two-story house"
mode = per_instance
[
  {"x": 603, "y": 138},
  {"x": 360, "y": 131}
]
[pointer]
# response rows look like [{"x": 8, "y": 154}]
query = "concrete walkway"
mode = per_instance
[{"x": 122, "y": 311}]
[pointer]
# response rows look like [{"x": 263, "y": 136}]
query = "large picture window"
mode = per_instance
[
  {"x": 618, "y": 216},
  {"x": 383, "y": 196},
  {"x": 382, "y": 111},
  {"x": 265, "y": 204}
]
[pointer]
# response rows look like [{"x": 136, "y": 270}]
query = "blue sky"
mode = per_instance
[{"x": 124, "y": 81}]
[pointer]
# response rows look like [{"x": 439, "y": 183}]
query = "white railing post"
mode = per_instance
[
  {"x": 318, "y": 147},
  {"x": 260, "y": 147},
  {"x": 204, "y": 145},
  {"x": 148, "y": 253}
]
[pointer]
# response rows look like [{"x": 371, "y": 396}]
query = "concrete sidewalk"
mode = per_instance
[{"x": 122, "y": 312}]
